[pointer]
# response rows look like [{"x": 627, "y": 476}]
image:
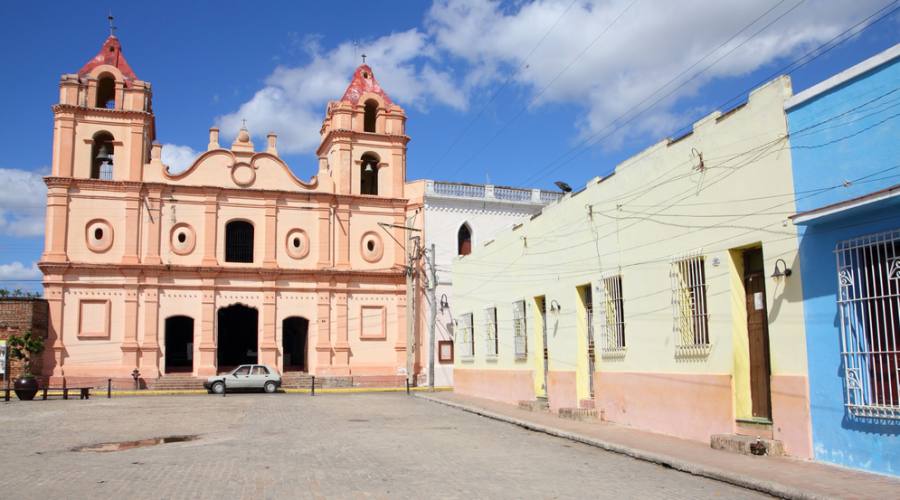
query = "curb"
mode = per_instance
[
  {"x": 763, "y": 486},
  {"x": 335, "y": 390}
]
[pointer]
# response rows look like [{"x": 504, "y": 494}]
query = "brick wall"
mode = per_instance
[{"x": 18, "y": 315}]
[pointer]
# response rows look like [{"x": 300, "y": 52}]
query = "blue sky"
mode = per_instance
[{"x": 494, "y": 92}]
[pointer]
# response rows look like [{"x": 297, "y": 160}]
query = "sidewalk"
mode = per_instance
[{"x": 778, "y": 476}]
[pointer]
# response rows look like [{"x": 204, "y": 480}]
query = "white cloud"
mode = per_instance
[
  {"x": 17, "y": 271},
  {"x": 23, "y": 199},
  {"x": 177, "y": 158},
  {"x": 292, "y": 102},
  {"x": 651, "y": 44},
  {"x": 484, "y": 41}
]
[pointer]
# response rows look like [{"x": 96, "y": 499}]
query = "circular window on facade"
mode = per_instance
[
  {"x": 297, "y": 243},
  {"x": 99, "y": 235},
  {"x": 371, "y": 247},
  {"x": 183, "y": 239}
]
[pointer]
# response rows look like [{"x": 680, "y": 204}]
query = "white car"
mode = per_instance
[{"x": 244, "y": 378}]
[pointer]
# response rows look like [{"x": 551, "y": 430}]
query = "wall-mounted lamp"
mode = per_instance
[
  {"x": 554, "y": 306},
  {"x": 444, "y": 303},
  {"x": 783, "y": 272}
]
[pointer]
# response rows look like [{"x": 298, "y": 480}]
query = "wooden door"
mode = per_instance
[{"x": 758, "y": 332}]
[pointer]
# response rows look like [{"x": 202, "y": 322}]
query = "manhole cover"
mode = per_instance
[{"x": 140, "y": 443}]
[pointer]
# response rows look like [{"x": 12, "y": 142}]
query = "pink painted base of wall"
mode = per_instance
[
  {"x": 561, "y": 390},
  {"x": 508, "y": 386},
  {"x": 790, "y": 414},
  {"x": 690, "y": 406}
]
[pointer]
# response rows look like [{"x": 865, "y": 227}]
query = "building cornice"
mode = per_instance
[
  {"x": 156, "y": 270},
  {"x": 338, "y": 134},
  {"x": 83, "y": 110},
  {"x": 321, "y": 196}
]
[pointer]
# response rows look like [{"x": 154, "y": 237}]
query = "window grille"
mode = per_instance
[
  {"x": 689, "y": 307},
  {"x": 490, "y": 332},
  {"x": 612, "y": 327},
  {"x": 868, "y": 270},
  {"x": 521, "y": 334},
  {"x": 466, "y": 336},
  {"x": 239, "y": 241}
]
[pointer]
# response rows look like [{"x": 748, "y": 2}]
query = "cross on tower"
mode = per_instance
[
  {"x": 364, "y": 58},
  {"x": 243, "y": 123},
  {"x": 112, "y": 28}
]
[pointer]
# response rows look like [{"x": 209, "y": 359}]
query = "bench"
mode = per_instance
[{"x": 84, "y": 392}]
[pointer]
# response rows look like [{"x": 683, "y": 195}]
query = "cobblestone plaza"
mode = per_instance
[{"x": 297, "y": 446}]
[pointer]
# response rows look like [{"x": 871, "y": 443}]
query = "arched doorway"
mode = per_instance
[
  {"x": 238, "y": 335},
  {"x": 294, "y": 332},
  {"x": 179, "y": 344}
]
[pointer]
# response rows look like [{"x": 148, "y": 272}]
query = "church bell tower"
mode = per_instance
[
  {"x": 364, "y": 140},
  {"x": 103, "y": 123}
]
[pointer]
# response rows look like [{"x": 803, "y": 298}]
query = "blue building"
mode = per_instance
[{"x": 845, "y": 142}]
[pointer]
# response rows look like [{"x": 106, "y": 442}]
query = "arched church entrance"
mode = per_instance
[
  {"x": 238, "y": 335},
  {"x": 294, "y": 332},
  {"x": 179, "y": 344}
]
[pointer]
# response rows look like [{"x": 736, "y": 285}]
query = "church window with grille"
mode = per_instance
[{"x": 239, "y": 241}]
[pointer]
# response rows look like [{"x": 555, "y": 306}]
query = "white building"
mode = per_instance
[{"x": 459, "y": 216}]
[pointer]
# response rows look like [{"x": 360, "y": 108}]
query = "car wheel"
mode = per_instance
[
  {"x": 269, "y": 387},
  {"x": 218, "y": 388}
]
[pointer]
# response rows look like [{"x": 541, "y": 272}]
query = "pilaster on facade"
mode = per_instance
[
  {"x": 150, "y": 348},
  {"x": 57, "y": 220},
  {"x": 210, "y": 223},
  {"x": 207, "y": 347},
  {"x": 132, "y": 224},
  {"x": 154, "y": 212}
]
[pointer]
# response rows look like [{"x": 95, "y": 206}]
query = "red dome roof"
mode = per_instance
[
  {"x": 111, "y": 54},
  {"x": 364, "y": 81}
]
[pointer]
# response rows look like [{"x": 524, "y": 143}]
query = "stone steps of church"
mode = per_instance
[{"x": 176, "y": 383}]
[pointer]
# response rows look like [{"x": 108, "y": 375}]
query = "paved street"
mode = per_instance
[{"x": 329, "y": 446}]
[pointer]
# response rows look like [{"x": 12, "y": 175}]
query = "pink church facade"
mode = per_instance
[{"x": 235, "y": 260}]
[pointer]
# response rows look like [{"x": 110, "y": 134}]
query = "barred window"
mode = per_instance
[
  {"x": 521, "y": 334},
  {"x": 466, "y": 336},
  {"x": 613, "y": 315},
  {"x": 689, "y": 308},
  {"x": 490, "y": 332},
  {"x": 239, "y": 241},
  {"x": 869, "y": 302}
]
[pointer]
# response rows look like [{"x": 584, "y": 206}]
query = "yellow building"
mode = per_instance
[{"x": 648, "y": 294}]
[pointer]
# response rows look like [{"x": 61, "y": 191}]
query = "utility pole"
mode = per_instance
[
  {"x": 412, "y": 274},
  {"x": 432, "y": 285}
]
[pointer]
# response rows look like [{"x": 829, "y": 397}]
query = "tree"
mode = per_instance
[{"x": 25, "y": 347}]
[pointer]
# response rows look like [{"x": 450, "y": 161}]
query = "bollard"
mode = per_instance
[
  {"x": 108, "y": 388},
  {"x": 224, "y": 386},
  {"x": 313, "y": 386},
  {"x": 407, "y": 386}
]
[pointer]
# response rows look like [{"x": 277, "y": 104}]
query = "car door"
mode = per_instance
[
  {"x": 258, "y": 376},
  {"x": 239, "y": 378}
]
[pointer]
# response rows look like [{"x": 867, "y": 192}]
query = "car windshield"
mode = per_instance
[{"x": 242, "y": 370}]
